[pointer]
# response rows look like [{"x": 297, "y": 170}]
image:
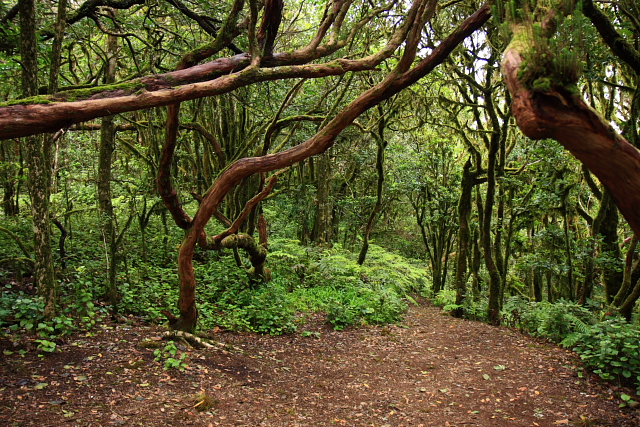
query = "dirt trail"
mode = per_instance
[{"x": 431, "y": 370}]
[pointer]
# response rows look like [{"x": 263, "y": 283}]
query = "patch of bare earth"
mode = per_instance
[{"x": 431, "y": 370}]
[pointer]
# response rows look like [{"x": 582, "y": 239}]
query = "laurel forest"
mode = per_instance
[{"x": 239, "y": 165}]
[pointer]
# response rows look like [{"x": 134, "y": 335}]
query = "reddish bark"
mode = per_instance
[
  {"x": 398, "y": 80},
  {"x": 54, "y": 112},
  {"x": 269, "y": 28},
  {"x": 251, "y": 204},
  {"x": 168, "y": 194},
  {"x": 563, "y": 116}
]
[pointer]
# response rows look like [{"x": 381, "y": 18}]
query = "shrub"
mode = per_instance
[
  {"x": 552, "y": 321},
  {"x": 611, "y": 348},
  {"x": 445, "y": 297}
]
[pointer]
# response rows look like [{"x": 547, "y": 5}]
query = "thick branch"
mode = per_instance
[
  {"x": 580, "y": 129},
  {"x": 269, "y": 27},
  {"x": 46, "y": 114},
  {"x": 50, "y": 113},
  {"x": 325, "y": 137},
  {"x": 165, "y": 189},
  {"x": 257, "y": 253},
  {"x": 249, "y": 206}
]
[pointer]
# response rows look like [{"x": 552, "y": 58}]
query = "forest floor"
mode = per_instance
[{"x": 429, "y": 370}]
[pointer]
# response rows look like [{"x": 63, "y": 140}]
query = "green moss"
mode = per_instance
[
  {"x": 542, "y": 84},
  {"x": 545, "y": 66},
  {"x": 79, "y": 94},
  {"x": 40, "y": 99}
]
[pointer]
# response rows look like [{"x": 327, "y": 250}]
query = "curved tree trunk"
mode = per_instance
[
  {"x": 565, "y": 117},
  {"x": 382, "y": 145},
  {"x": 400, "y": 78}
]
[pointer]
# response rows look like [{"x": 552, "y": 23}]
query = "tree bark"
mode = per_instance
[
  {"x": 39, "y": 165},
  {"x": 322, "y": 224},
  {"x": 613, "y": 272},
  {"x": 107, "y": 147},
  {"x": 495, "y": 282},
  {"x": 464, "y": 236},
  {"x": 563, "y": 116},
  {"x": 382, "y": 145},
  {"x": 400, "y": 78}
]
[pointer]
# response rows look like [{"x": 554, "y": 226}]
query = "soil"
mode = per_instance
[{"x": 429, "y": 370}]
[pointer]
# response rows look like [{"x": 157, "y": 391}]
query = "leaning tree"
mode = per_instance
[{"x": 408, "y": 54}]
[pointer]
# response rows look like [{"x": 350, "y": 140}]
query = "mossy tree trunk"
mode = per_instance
[
  {"x": 468, "y": 182},
  {"x": 613, "y": 271},
  {"x": 562, "y": 115},
  {"x": 495, "y": 282},
  {"x": 107, "y": 147},
  {"x": 322, "y": 229},
  {"x": 382, "y": 145},
  {"x": 8, "y": 172},
  {"x": 39, "y": 164}
]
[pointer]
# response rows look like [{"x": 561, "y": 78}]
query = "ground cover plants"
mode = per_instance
[{"x": 290, "y": 170}]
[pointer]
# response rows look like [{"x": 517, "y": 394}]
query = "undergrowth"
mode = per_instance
[
  {"x": 305, "y": 279},
  {"x": 610, "y": 347}
]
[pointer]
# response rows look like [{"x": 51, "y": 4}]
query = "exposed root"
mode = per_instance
[{"x": 196, "y": 341}]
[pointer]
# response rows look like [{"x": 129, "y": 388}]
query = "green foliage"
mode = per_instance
[
  {"x": 270, "y": 312},
  {"x": 611, "y": 348},
  {"x": 25, "y": 311},
  {"x": 445, "y": 298},
  {"x": 309, "y": 279},
  {"x": 46, "y": 345},
  {"x": 338, "y": 267},
  {"x": 550, "y": 59},
  {"x": 172, "y": 358},
  {"x": 350, "y": 294},
  {"x": 340, "y": 315},
  {"x": 545, "y": 320}
]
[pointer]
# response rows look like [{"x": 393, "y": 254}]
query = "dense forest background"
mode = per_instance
[{"x": 431, "y": 189}]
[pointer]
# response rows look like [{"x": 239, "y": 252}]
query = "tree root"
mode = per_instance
[{"x": 196, "y": 341}]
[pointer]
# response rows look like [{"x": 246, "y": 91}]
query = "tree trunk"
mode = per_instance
[
  {"x": 9, "y": 196},
  {"x": 612, "y": 272},
  {"x": 563, "y": 116},
  {"x": 107, "y": 146},
  {"x": 464, "y": 237},
  {"x": 382, "y": 145},
  {"x": 39, "y": 165},
  {"x": 322, "y": 225},
  {"x": 630, "y": 266},
  {"x": 495, "y": 283}
]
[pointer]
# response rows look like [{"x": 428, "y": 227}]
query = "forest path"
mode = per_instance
[{"x": 430, "y": 370}]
